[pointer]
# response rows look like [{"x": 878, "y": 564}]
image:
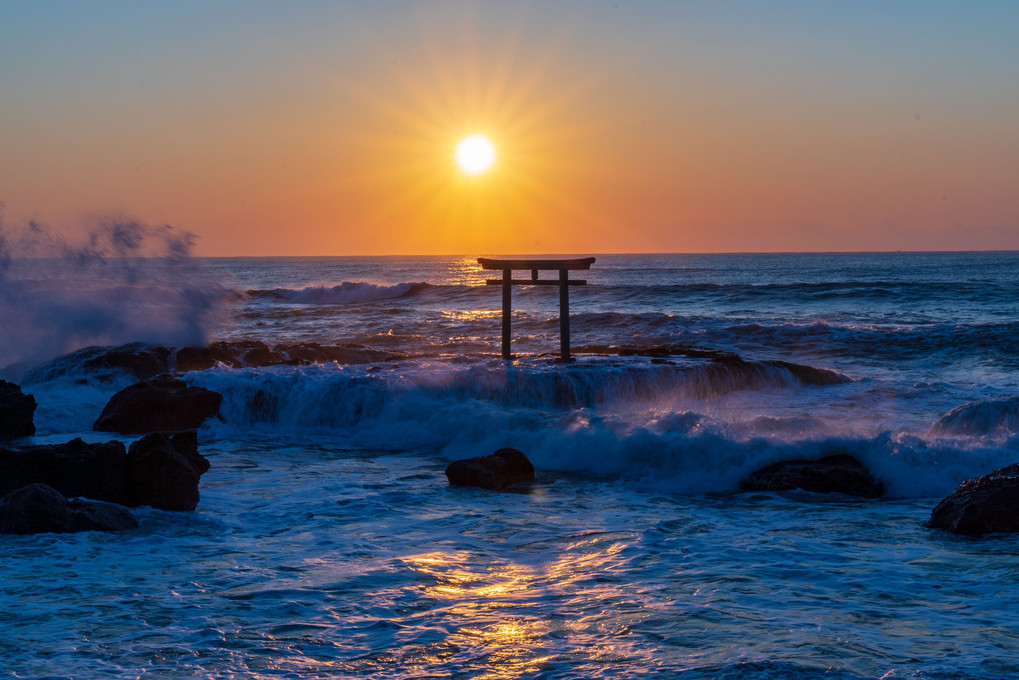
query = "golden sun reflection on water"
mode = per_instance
[
  {"x": 482, "y": 596},
  {"x": 498, "y": 613}
]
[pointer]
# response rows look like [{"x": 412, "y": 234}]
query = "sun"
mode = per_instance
[{"x": 475, "y": 154}]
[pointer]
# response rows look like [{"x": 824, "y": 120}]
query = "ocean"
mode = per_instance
[{"x": 328, "y": 543}]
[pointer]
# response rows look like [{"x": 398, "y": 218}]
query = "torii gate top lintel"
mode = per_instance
[
  {"x": 578, "y": 263},
  {"x": 507, "y": 282}
]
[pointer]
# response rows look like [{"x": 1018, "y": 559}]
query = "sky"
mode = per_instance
[{"x": 329, "y": 128}]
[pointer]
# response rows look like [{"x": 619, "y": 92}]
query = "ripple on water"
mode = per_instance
[{"x": 349, "y": 569}]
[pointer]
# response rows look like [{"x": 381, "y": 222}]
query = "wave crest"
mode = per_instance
[{"x": 348, "y": 292}]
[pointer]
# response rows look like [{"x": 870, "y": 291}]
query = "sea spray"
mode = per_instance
[{"x": 125, "y": 282}]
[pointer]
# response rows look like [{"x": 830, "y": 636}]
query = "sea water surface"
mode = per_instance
[{"x": 328, "y": 543}]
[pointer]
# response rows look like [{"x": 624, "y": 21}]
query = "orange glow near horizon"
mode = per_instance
[{"x": 330, "y": 129}]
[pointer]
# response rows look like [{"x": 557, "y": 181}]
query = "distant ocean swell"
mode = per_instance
[{"x": 348, "y": 292}]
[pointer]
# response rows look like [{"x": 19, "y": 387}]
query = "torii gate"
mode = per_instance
[{"x": 564, "y": 283}]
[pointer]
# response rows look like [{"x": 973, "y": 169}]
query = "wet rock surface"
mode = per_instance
[
  {"x": 983, "y": 505},
  {"x": 17, "y": 411},
  {"x": 497, "y": 471},
  {"x": 164, "y": 404},
  {"x": 163, "y": 471},
  {"x": 75, "y": 468},
  {"x": 145, "y": 362},
  {"x": 159, "y": 470},
  {"x": 994, "y": 417},
  {"x": 836, "y": 473},
  {"x": 38, "y": 508}
]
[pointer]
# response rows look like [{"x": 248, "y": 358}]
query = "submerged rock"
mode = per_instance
[
  {"x": 164, "y": 404},
  {"x": 144, "y": 362},
  {"x": 981, "y": 418},
  {"x": 984, "y": 505},
  {"x": 76, "y": 468},
  {"x": 837, "y": 473},
  {"x": 496, "y": 471},
  {"x": 16, "y": 411},
  {"x": 38, "y": 508},
  {"x": 163, "y": 472}
]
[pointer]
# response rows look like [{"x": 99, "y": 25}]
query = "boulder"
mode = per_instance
[
  {"x": 38, "y": 508},
  {"x": 16, "y": 411},
  {"x": 97, "y": 471},
  {"x": 164, "y": 471},
  {"x": 163, "y": 404},
  {"x": 158, "y": 470},
  {"x": 497, "y": 471},
  {"x": 836, "y": 473},
  {"x": 984, "y": 505}
]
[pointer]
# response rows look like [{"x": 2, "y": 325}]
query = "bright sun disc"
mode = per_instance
[{"x": 475, "y": 154}]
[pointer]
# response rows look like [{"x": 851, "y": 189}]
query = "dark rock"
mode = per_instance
[
  {"x": 97, "y": 471},
  {"x": 497, "y": 471},
  {"x": 38, "y": 508},
  {"x": 35, "y": 509},
  {"x": 837, "y": 473},
  {"x": 984, "y": 505},
  {"x": 163, "y": 471},
  {"x": 186, "y": 444},
  {"x": 232, "y": 354},
  {"x": 16, "y": 411},
  {"x": 164, "y": 404},
  {"x": 981, "y": 418},
  {"x": 734, "y": 374},
  {"x": 136, "y": 359},
  {"x": 95, "y": 516}
]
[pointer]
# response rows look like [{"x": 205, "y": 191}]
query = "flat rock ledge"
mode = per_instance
[
  {"x": 983, "y": 505},
  {"x": 836, "y": 473},
  {"x": 163, "y": 404},
  {"x": 17, "y": 410},
  {"x": 497, "y": 471},
  {"x": 38, "y": 508}
]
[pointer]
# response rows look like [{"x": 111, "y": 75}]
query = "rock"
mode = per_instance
[
  {"x": 998, "y": 417},
  {"x": 158, "y": 470},
  {"x": 95, "y": 516},
  {"x": 496, "y": 472},
  {"x": 136, "y": 359},
  {"x": 164, "y": 472},
  {"x": 984, "y": 505},
  {"x": 97, "y": 471},
  {"x": 35, "y": 509},
  {"x": 163, "y": 404},
  {"x": 837, "y": 473},
  {"x": 252, "y": 353},
  {"x": 38, "y": 508},
  {"x": 16, "y": 411},
  {"x": 232, "y": 354}
]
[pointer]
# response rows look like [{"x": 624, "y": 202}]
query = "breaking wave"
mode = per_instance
[{"x": 348, "y": 292}]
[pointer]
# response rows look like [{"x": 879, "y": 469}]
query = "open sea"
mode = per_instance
[{"x": 328, "y": 543}]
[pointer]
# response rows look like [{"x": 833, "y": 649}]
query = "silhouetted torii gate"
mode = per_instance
[{"x": 564, "y": 283}]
